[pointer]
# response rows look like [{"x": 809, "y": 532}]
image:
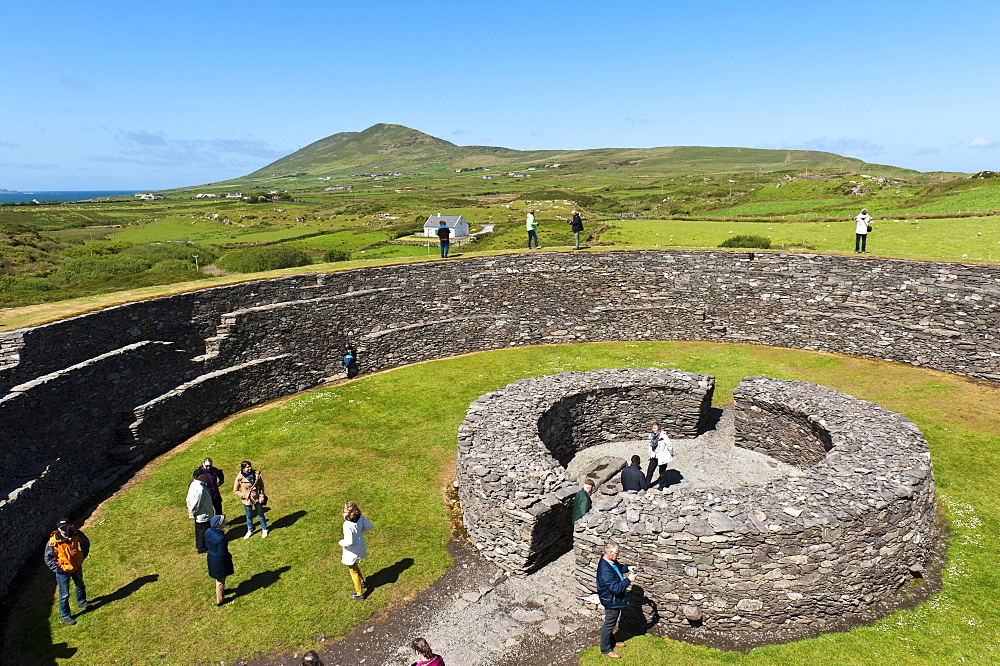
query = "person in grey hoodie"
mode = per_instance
[{"x": 199, "y": 505}]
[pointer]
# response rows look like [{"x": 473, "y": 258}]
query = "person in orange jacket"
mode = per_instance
[{"x": 65, "y": 552}]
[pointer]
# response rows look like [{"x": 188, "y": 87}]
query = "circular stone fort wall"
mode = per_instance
[
  {"x": 798, "y": 554},
  {"x": 85, "y": 400}
]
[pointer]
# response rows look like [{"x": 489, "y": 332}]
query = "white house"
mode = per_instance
[{"x": 457, "y": 224}]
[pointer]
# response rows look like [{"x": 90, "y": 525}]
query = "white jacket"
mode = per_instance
[
  {"x": 199, "y": 502},
  {"x": 354, "y": 540},
  {"x": 664, "y": 450},
  {"x": 863, "y": 220}
]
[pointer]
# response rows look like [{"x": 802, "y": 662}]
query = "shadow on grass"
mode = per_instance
[
  {"x": 258, "y": 581},
  {"x": 240, "y": 531},
  {"x": 286, "y": 521},
  {"x": 122, "y": 592},
  {"x": 389, "y": 574}
]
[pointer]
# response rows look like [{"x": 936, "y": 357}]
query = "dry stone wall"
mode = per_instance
[
  {"x": 937, "y": 315},
  {"x": 799, "y": 555},
  {"x": 515, "y": 494}
]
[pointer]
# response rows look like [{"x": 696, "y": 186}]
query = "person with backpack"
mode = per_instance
[
  {"x": 350, "y": 359},
  {"x": 576, "y": 224},
  {"x": 65, "y": 552},
  {"x": 444, "y": 236}
]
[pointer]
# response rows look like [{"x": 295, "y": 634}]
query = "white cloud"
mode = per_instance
[
  {"x": 73, "y": 83},
  {"x": 157, "y": 149},
  {"x": 980, "y": 142}
]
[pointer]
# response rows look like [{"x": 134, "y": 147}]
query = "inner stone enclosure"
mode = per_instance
[{"x": 803, "y": 553}]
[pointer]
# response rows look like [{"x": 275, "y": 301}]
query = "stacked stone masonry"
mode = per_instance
[
  {"x": 87, "y": 377},
  {"x": 514, "y": 443},
  {"x": 800, "y": 554}
]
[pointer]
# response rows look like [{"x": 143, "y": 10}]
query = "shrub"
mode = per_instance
[
  {"x": 158, "y": 252},
  {"x": 175, "y": 266},
  {"x": 336, "y": 255},
  {"x": 96, "y": 249},
  {"x": 254, "y": 259},
  {"x": 84, "y": 269},
  {"x": 747, "y": 240}
]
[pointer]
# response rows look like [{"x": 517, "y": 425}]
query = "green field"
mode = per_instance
[
  {"x": 612, "y": 187},
  {"x": 955, "y": 239},
  {"x": 323, "y": 447}
]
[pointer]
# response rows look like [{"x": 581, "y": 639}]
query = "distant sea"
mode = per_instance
[{"x": 64, "y": 196}]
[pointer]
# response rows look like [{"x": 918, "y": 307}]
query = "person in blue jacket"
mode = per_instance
[{"x": 613, "y": 579}]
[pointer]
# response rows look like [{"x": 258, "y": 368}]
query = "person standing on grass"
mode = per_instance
[
  {"x": 65, "y": 552},
  {"x": 862, "y": 225},
  {"x": 532, "y": 226},
  {"x": 424, "y": 654},
  {"x": 661, "y": 453},
  {"x": 444, "y": 236},
  {"x": 576, "y": 224},
  {"x": 353, "y": 543},
  {"x": 220, "y": 561},
  {"x": 199, "y": 506},
  {"x": 613, "y": 579},
  {"x": 249, "y": 487},
  {"x": 214, "y": 483}
]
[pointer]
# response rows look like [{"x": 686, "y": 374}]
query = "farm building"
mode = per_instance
[{"x": 457, "y": 224}]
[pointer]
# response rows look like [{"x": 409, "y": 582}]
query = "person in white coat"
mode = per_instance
[
  {"x": 661, "y": 453},
  {"x": 353, "y": 543},
  {"x": 861, "y": 229}
]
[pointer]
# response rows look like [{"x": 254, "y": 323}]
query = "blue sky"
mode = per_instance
[{"x": 117, "y": 95}]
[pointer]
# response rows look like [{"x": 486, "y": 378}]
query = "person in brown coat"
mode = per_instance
[{"x": 249, "y": 487}]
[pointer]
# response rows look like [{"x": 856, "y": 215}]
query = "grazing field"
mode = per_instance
[
  {"x": 956, "y": 239},
  {"x": 332, "y": 444}
]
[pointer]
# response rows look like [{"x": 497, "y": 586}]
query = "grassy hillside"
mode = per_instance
[
  {"x": 386, "y": 148},
  {"x": 362, "y": 195}
]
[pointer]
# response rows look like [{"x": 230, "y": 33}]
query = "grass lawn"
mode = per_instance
[
  {"x": 323, "y": 447},
  {"x": 933, "y": 240}
]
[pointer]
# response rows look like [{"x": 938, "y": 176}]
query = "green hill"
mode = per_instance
[{"x": 386, "y": 148}]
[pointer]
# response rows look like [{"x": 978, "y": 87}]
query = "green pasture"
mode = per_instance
[
  {"x": 951, "y": 239},
  {"x": 388, "y": 442}
]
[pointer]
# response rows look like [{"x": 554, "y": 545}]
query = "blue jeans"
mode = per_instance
[
  {"x": 444, "y": 249},
  {"x": 62, "y": 579},
  {"x": 532, "y": 233},
  {"x": 248, "y": 510},
  {"x": 611, "y": 616}
]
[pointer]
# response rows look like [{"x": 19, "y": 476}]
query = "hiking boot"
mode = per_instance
[
  {"x": 357, "y": 597},
  {"x": 68, "y": 621},
  {"x": 85, "y": 605}
]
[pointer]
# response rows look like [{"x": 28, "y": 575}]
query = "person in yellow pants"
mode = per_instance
[{"x": 353, "y": 543}]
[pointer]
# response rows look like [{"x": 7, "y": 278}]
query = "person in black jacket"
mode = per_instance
[
  {"x": 632, "y": 476},
  {"x": 214, "y": 483},
  {"x": 613, "y": 579},
  {"x": 444, "y": 235},
  {"x": 576, "y": 224}
]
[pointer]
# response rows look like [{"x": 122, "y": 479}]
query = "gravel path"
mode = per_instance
[{"x": 476, "y": 614}]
